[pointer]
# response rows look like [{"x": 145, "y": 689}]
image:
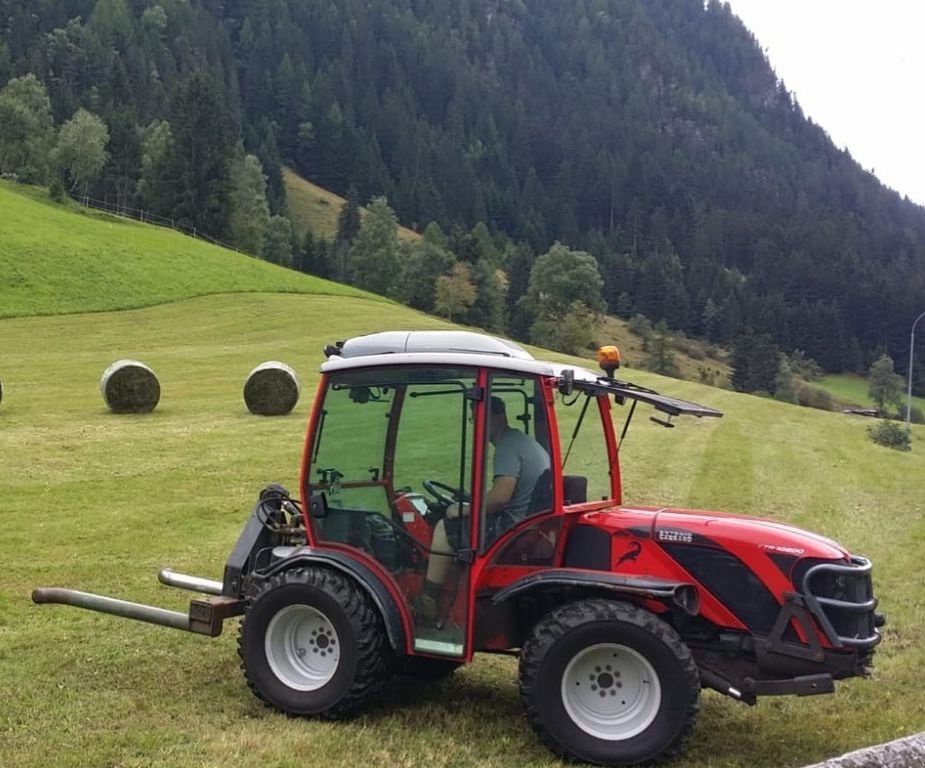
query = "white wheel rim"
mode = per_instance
[
  {"x": 302, "y": 647},
  {"x": 611, "y": 691}
]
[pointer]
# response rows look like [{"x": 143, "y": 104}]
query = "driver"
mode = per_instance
[{"x": 519, "y": 462}]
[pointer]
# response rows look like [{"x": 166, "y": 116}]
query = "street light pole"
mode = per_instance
[{"x": 909, "y": 391}]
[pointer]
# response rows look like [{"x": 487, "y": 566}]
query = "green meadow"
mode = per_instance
[
  {"x": 99, "y": 502},
  {"x": 57, "y": 259},
  {"x": 853, "y": 389}
]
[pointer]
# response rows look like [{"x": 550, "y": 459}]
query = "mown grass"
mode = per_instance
[
  {"x": 100, "y": 502},
  {"x": 56, "y": 259}
]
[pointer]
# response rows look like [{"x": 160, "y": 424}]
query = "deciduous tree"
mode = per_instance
[
  {"x": 80, "y": 153},
  {"x": 26, "y": 129},
  {"x": 250, "y": 210},
  {"x": 454, "y": 293},
  {"x": 885, "y": 385}
]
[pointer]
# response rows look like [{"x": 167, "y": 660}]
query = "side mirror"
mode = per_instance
[
  {"x": 567, "y": 382},
  {"x": 318, "y": 506}
]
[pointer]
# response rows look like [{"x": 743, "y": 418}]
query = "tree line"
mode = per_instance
[{"x": 653, "y": 137}]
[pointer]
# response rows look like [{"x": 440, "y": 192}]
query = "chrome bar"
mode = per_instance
[
  {"x": 112, "y": 606},
  {"x": 192, "y": 583}
]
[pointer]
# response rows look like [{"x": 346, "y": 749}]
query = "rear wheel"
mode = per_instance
[
  {"x": 312, "y": 643},
  {"x": 608, "y": 683}
]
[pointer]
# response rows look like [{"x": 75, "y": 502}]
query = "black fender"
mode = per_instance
[
  {"x": 679, "y": 593},
  {"x": 293, "y": 557}
]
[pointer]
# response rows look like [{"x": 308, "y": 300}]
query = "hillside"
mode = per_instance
[
  {"x": 314, "y": 209},
  {"x": 58, "y": 259},
  {"x": 652, "y": 134}
]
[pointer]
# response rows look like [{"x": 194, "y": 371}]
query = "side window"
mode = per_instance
[
  {"x": 517, "y": 474},
  {"x": 349, "y": 453},
  {"x": 585, "y": 467},
  {"x": 390, "y": 444}
]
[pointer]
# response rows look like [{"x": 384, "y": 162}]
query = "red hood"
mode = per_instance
[{"x": 739, "y": 534}]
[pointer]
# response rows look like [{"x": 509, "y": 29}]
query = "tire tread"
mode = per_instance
[
  {"x": 564, "y": 618},
  {"x": 374, "y": 653}
]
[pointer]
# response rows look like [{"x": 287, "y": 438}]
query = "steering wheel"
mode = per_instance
[{"x": 445, "y": 494}]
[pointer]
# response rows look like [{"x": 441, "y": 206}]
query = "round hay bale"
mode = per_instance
[
  {"x": 129, "y": 386},
  {"x": 271, "y": 389}
]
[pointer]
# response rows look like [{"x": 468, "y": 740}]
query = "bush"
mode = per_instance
[
  {"x": 56, "y": 190},
  {"x": 813, "y": 397},
  {"x": 640, "y": 325},
  {"x": 891, "y": 435}
]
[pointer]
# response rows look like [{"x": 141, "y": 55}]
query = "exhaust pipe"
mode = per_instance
[{"x": 206, "y": 614}]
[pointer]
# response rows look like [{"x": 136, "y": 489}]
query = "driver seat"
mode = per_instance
[{"x": 541, "y": 498}]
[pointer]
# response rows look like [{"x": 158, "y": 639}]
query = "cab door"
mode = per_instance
[{"x": 392, "y": 449}]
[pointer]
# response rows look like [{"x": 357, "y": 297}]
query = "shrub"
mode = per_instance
[
  {"x": 640, "y": 325},
  {"x": 813, "y": 397},
  {"x": 891, "y": 435},
  {"x": 56, "y": 190}
]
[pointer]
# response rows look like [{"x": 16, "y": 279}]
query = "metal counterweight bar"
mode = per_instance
[
  {"x": 192, "y": 583},
  {"x": 112, "y": 606}
]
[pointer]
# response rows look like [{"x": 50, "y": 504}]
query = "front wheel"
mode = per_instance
[
  {"x": 312, "y": 643},
  {"x": 608, "y": 683}
]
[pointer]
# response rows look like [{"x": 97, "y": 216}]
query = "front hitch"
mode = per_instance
[{"x": 205, "y": 617}]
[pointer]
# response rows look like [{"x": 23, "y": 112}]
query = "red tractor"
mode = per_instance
[{"x": 459, "y": 496}]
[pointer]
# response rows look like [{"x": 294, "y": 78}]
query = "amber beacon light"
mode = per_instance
[{"x": 609, "y": 359}]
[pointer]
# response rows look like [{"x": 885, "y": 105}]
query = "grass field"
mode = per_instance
[
  {"x": 56, "y": 259},
  {"x": 852, "y": 389},
  {"x": 100, "y": 502}
]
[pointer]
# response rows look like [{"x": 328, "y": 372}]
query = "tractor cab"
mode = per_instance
[{"x": 414, "y": 433}]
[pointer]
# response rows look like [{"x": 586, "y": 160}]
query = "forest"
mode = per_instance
[{"x": 562, "y": 159}]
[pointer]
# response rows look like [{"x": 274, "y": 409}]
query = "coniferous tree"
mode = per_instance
[
  {"x": 348, "y": 220},
  {"x": 198, "y": 165}
]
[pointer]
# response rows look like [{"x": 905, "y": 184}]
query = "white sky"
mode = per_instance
[{"x": 857, "y": 68}]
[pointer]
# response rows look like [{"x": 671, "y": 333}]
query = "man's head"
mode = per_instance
[{"x": 497, "y": 418}]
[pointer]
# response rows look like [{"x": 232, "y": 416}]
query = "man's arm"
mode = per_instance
[{"x": 500, "y": 493}]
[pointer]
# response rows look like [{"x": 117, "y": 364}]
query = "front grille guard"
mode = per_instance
[{"x": 821, "y": 606}]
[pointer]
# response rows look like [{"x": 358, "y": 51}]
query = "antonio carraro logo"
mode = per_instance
[{"x": 674, "y": 535}]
